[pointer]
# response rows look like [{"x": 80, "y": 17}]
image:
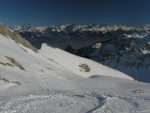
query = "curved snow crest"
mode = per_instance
[{"x": 73, "y": 62}]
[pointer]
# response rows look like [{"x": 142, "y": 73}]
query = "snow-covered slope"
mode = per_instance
[
  {"x": 72, "y": 63},
  {"x": 52, "y": 55},
  {"x": 51, "y": 80},
  {"x": 19, "y": 63}
]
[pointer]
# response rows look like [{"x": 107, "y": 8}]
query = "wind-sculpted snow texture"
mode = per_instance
[{"x": 75, "y": 103}]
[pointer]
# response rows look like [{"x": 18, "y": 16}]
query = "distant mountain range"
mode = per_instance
[{"x": 125, "y": 48}]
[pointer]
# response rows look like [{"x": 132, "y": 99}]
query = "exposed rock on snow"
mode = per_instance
[{"x": 84, "y": 67}]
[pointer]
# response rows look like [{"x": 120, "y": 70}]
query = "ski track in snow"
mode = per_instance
[{"x": 75, "y": 103}]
